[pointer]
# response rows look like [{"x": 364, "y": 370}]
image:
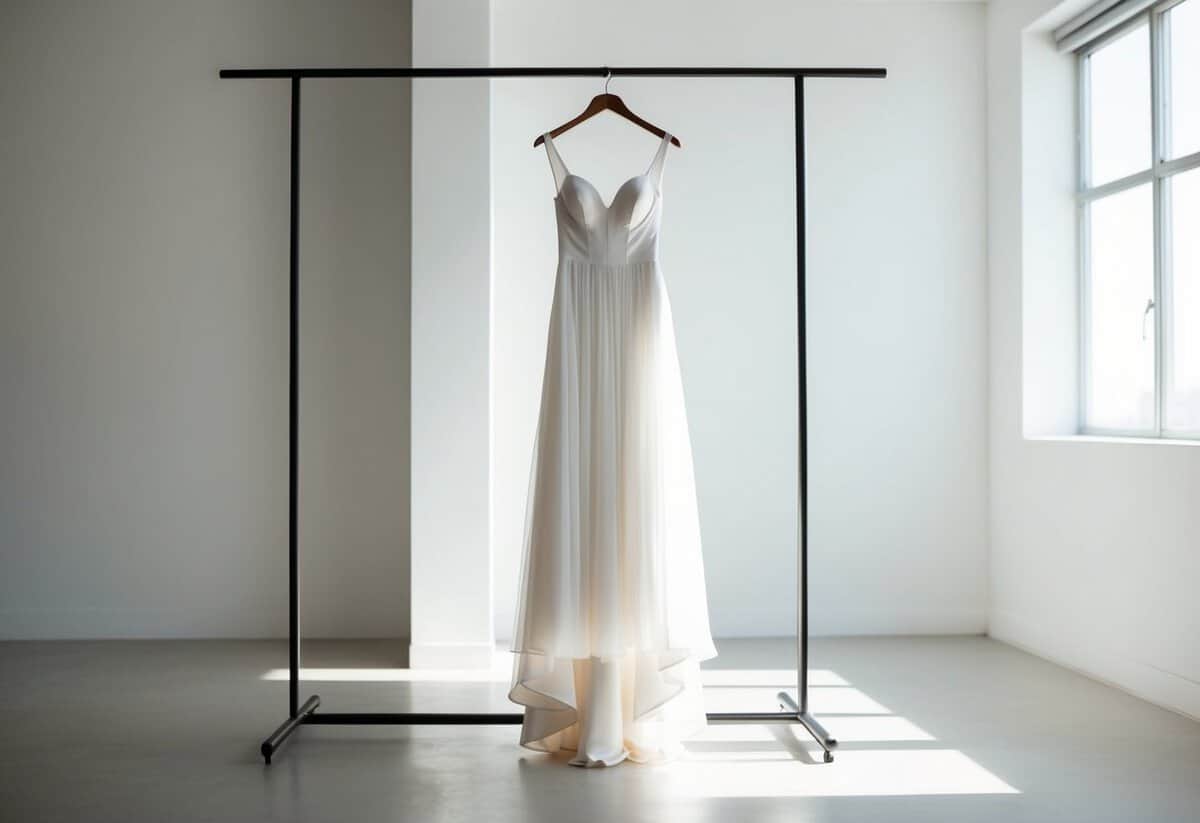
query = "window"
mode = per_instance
[{"x": 1139, "y": 211}]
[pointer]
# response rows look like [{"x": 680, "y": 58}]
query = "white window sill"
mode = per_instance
[{"x": 1106, "y": 438}]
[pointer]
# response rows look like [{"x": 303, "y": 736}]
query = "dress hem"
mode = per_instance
[{"x": 543, "y": 701}]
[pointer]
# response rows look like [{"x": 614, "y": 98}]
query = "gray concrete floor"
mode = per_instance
[{"x": 932, "y": 728}]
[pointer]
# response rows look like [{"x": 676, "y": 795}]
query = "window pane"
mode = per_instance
[
  {"x": 1119, "y": 107},
  {"x": 1182, "y": 409},
  {"x": 1183, "y": 103},
  {"x": 1120, "y": 371}
]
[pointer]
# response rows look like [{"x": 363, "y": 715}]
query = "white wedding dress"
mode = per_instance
[{"x": 612, "y": 615}]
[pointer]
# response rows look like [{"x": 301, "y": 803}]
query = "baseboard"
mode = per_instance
[
  {"x": 451, "y": 655},
  {"x": 1142, "y": 680}
]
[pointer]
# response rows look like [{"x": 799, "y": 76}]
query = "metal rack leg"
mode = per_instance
[
  {"x": 272, "y": 743},
  {"x": 293, "y": 411},
  {"x": 801, "y": 709},
  {"x": 823, "y": 738}
]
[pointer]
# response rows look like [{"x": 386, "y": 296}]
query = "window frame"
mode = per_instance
[{"x": 1156, "y": 172}]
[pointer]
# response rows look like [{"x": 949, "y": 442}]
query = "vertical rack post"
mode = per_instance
[
  {"x": 800, "y": 705},
  {"x": 293, "y": 411},
  {"x": 297, "y": 714},
  {"x": 802, "y": 417}
]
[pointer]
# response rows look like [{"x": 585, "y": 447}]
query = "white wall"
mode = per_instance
[
  {"x": 143, "y": 328},
  {"x": 143, "y": 320},
  {"x": 451, "y": 271},
  {"x": 897, "y": 315},
  {"x": 1093, "y": 543}
]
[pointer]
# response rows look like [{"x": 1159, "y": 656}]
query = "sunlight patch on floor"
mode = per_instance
[
  {"x": 501, "y": 671},
  {"x": 866, "y": 729},
  {"x": 889, "y": 728},
  {"x": 709, "y": 774},
  {"x": 751, "y": 760},
  {"x": 763, "y": 678},
  {"x": 734, "y": 733},
  {"x": 376, "y": 675}
]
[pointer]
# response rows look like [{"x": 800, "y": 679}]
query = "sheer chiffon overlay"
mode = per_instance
[{"x": 612, "y": 616}]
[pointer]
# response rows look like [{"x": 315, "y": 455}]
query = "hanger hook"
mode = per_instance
[{"x": 607, "y": 77}]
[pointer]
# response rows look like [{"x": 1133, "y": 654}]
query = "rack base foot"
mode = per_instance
[
  {"x": 826, "y": 741},
  {"x": 272, "y": 743}
]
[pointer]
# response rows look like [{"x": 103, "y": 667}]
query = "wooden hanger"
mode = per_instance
[{"x": 607, "y": 102}]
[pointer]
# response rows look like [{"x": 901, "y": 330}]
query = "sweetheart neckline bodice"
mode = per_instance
[
  {"x": 607, "y": 206},
  {"x": 621, "y": 230}
]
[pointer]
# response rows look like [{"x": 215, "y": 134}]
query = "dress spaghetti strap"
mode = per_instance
[
  {"x": 557, "y": 166},
  {"x": 655, "y": 171}
]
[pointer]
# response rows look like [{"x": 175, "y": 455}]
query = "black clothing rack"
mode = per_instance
[{"x": 306, "y": 713}]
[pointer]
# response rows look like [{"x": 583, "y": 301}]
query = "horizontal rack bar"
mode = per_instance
[
  {"x": 496, "y": 719},
  {"x": 556, "y": 71}
]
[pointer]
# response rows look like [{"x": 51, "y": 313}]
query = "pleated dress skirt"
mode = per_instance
[{"x": 612, "y": 618}]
